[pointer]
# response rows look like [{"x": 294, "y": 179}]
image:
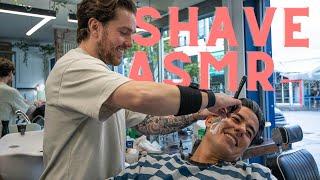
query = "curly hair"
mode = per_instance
[
  {"x": 6, "y": 66},
  {"x": 102, "y": 10}
]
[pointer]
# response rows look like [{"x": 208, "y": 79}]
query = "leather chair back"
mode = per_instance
[{"x": 293, "y": 164}]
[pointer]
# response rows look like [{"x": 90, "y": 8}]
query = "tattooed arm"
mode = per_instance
[{"x": 154, "y": 125}]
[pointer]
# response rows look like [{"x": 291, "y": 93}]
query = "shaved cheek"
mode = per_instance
[{"x": 214, "y": 129}]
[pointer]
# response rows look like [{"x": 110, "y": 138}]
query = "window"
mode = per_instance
[{"x": 153, "y": 59}]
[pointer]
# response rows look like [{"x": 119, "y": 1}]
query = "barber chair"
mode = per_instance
[
  {"x": 292, "y": 164},
  {"x": 38, "y": 116}
]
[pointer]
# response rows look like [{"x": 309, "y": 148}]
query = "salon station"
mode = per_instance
[{"x": 35, "y": 34}]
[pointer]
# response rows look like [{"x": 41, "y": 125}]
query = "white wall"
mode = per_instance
[{"x": 29, "y": 75}]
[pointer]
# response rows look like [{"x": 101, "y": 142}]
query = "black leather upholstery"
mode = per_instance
[
  {"x": 294, "y": 165},
  {"x": 287, "y": 134}
]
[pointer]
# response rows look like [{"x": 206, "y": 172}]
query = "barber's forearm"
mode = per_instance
[
  {"x": 147, "y": 97},
  {"x": 29, "y": 112},
  {"x": 155, "y": 125},
  {"x": 150, "y": 98}
]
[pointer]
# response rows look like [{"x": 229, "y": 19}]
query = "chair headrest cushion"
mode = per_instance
[{"x": 287, "y": 134}]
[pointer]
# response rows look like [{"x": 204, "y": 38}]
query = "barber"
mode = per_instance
[
  {"x": 10, "y": 98},
  {"x": 89, "y": 106}
]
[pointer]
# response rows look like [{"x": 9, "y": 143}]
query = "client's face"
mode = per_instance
[{"x": 230, "y": 137}]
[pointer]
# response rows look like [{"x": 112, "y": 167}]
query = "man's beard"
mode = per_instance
[{"x": 106, "y": 51}]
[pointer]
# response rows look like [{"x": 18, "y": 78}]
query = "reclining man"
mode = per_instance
[{"x": 218, "y": 154}]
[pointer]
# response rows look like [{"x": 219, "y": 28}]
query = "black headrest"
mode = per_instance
[{"x": 287, "y": 134}]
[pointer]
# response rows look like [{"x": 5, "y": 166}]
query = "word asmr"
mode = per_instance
[{"x": 221, "y": 28}]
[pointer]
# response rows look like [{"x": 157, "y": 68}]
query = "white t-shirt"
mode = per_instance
[
  {"x": 10, "y": 101},
  {"x": 83, "y": 137}
]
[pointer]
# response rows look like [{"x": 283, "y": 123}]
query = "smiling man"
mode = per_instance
[
  {"x": 89, "y": 106},
  {"x": 217, "y": 156}
]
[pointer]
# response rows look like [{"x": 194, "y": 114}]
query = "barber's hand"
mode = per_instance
[
  {"x": 39, "y": 103},
  {"x": 203, "y": 114},
  {"x": 224, "y": 102}
]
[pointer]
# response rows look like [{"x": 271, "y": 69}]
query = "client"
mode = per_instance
[{"x": 217, "y": 156}]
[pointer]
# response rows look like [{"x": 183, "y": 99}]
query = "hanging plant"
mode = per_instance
[
  {"x": 21, "y": 3},
  {"x": 57, "y": 5},
  {"x": 25, "y": 48},
  {"x": 46, "y": 51},
  {"x": 18, "y": 2}
]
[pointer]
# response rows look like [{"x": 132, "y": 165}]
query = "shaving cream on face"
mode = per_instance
[{"x": 213, "y": 129}]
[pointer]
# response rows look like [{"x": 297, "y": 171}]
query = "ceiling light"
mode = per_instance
[
  {"x": 72, "y": 20},
  {"x": 23, "y": 13},
  {"x": 37, "y": 26},
  {"x": 47, "y": 15},
  {"x": 26, "y": 11}
]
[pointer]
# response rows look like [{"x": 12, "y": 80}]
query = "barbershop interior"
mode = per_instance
[{"x": 35, "y": 34}]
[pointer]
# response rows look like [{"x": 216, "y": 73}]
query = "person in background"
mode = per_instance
[
  {"x": 217, "y": 156},
  {"x": 10, "y": 98},
  {"x": 315, "y": 94},
  {"x": 89, "y": 107}
]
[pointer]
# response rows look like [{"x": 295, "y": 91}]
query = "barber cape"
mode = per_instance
[{"x": 174, "y": 167}]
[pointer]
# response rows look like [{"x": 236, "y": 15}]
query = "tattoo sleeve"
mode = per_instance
[{"x": 155, "y": 125}]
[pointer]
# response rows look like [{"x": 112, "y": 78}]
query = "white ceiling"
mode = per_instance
[
  {"x": 21, "y": 25},
  {"x": 14, "y": 27}
]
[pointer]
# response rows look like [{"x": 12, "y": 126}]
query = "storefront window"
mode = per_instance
[
  {"x": 156, "y": 58},
  {"x": 167, "y": 50},
  {"x": 153, "y": 59},
  {"x": 217, "y": 79}
]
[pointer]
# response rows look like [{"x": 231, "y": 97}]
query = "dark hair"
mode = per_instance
[
  {"x": 6, "y": 66},
  {"x": 102, "y": 10},
  {"x": 258, "y": 139}
]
